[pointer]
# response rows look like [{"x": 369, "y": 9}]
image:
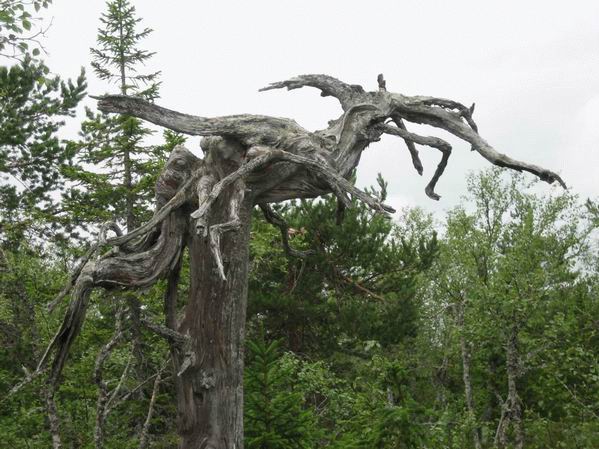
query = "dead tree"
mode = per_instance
[{"x": 205, "y": 205}]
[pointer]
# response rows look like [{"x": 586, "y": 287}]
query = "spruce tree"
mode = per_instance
[
  {"x": 275, "y": 417},
  {"x": 114, "y": 166},
  {"x": 116, "y": 170}
]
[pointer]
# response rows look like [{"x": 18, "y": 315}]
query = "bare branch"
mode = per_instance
[
  {"x": 101, "y": 240},
  {"x": 215, "y": 233},
  {"x": 175, "y": 202},
  {"x": 115, "y": 401},
  {"x": 117, "y": 390},
  {"x": 141, "y": 265},
  {"x": 53, "y": 418},
  {"x": 339, "y": 185},
  {"x": 414, "y": 109},
  {"x": 356, "y": 284},
  {"x": 328, "y": 86},
  {"x": 272, "y": 217},
  {"x": 451, "y": 105},
  {"x": 145, "y": 430},
  {"x": 434, "y": 142},
  {"x": 116, "y": 270},
  {"x": 416, "y": 162},
  {"x": 285, "y": 134},
  {"x": 102, "y": 409},
  {"x": 169, "y": 334},
  {"x": 249, "y": 129},
  {"x": 347, "y": 279},
  {"x": 584, "y": 406},
  {"x": 29, "y": 377}
]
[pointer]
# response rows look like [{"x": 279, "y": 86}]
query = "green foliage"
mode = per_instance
[
  {"x": 112, "y": 145},
  {"x": 118, "y": 56},
  {"x": 115, "y": 171},
  {"x": 16, "y": 22},
  {"x": 28, "y": 280},
  {"x": 355, "y": 289},
  {"x": 32, "y": 156},
  {"x": 350, "y": 306},
  {"x": 369, "y": 334},
  {"x": 363, "y": 371},
  {"x": 507, "y": 277},
  {"x": 385, "y": 415},
  {"x": 275, "y": 414}
]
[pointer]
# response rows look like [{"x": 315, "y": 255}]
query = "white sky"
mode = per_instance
[{"x": 532, "y": 67}]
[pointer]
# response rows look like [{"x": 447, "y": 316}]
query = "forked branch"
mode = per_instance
[
  {"x": 339, "y": 185},
  {"x": 363, "y": 111},
  {"x": 272, "y": 217},
  {"x": 435, "y": 142},
  {"x": 434, "y": 112}
]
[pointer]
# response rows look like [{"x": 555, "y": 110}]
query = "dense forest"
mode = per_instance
[{"x": 479, "y": 329}]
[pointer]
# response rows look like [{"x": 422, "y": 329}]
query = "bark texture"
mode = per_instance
[
  {"x": 211, "y": 407},
  {"x": 205, "y": 205}
]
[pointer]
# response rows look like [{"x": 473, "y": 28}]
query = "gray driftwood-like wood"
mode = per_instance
[{"x": 205, "y": 205}]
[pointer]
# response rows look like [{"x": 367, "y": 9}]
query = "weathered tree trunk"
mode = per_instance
[{"x": 210, "y": 395}]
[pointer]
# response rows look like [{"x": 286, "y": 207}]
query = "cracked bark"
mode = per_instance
[
  {"x": 205, "y": 205},
  {"x": 211, "y": 408}
]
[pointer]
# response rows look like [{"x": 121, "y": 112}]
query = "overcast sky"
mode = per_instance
[{"x": 532, "y": 67}]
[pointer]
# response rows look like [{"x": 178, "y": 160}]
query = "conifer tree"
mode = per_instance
[
  {"x": 33, "y": 107},
  {"x": 115, "y": 167},
  {"x": 274, "y": 414},
  {"x": 31, "y": 154},
  {"x": 357, "y": 279}
]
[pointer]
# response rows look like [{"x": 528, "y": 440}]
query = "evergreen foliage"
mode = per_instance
[
  {"x": 32, "y": 156},
  {"x": 118, "y": 56},
  {"x": 359, "y": 385},
  {"x": 116, "y": 171},
  {"x": 356, "y": 287},
  {"x": 275, "y": 413}
]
